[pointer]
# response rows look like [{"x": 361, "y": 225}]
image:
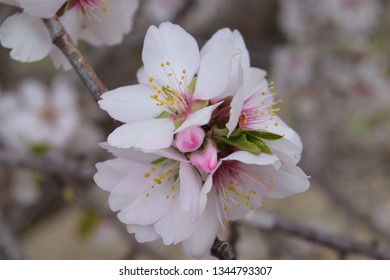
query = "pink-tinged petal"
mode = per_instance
[
  {"x": 235, "y": 110},
  {"x": 146, "y": 210},
  {"x": 143, "y": 233},
  {"x": 130, "y": 104},
  {"x": 198, "y": 118},
  {"x": 27, "y": 36},
  {"x": 214, "y": 70},
  {"x": 110, "y": 28},
  {"x": 206, "y": 160},
  {"x": 200, "y": 242},
  {"x": 190, "y": 139},
  {"x": 170, "y": 43},
  {"x": 41, "y": 8},
  {"x": 149, "y": 134},
  {"x": 175, "y": 226},
  {"x": 249, "y": 158},
  {"x": 280, "y": 183},
  {"x": 111, "y": 172},
  {"x": 190, "y": 188}
]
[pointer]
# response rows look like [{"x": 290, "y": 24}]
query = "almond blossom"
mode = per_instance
[
  {"x": 97, "y": 22},
  {"x": 169, "y": 98}
]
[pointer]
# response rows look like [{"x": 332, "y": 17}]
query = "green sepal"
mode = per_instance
[
  {"x": 158, "y": 161},
  {"x": 263, "y": 134},
  {"x": 259, "y": 143},
  {"x": 191, "y": 86},
  {"x": 240, "y": 142},
  {"x": 163, "y": 115},
  {"x": 178, "y": 122},
  {"x": 38, "y": 149},
  {"x": 199, "y": 104}
]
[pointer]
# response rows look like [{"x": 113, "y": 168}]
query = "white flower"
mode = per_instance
[
  {"x": 157, "y": 194},
  {"x": 98, "y": 22},
  {"x": 169, "y": 99}
]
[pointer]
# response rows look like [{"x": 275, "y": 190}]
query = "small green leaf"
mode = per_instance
[
  {"x": 191, "y": 86},
  {"x": 240, "y": 142},
  {"x": 259, "y": 143},
  {"x": 263, "y": 134},
  {"x": 199, "y": 104},
  {"x": 163, "y": 115},
  {"x": 158, "y": 161},
  {"x": 87, "y": 223},
  {"x": 38, "y": 149},
  {"x": 178, "y": 122}
]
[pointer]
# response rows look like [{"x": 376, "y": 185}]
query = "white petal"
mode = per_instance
[
  {"x": 143, "y": 233},
  {"x": 190, "y": 188},
  {"x": 283, "y": 182},
  {"x": 198, "y": 118},
  {"x": 131, "y": 154},
  {"x": 203, "y": 237},
  {"x": 130, "y": 104},
  {"x": 59, "y": 60},
  {"x": 175, "y": 226},
  {"x": 170, "y": 153},
  {"x": 27, "y": 37},
  {"x": 249, "y": 158},
  {"x": 235, "y": 110},
  {"x": 142, "y": 78},
  {"x": 214, "y": 70},
  {"x": 110, "y": 27},
  {"x": 170, "y": 43},
  {"x": 149, "y": 134},
  {"x": 72, "y": 21},
  {"x": 146, "y": 210},
  {"x": 254, "y": 81},
  {"x": 34, "y": 95},
  {"x": 41, "y": 8},
  {"x": 111, "y": 172}
]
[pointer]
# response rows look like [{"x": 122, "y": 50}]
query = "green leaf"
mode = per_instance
[
  {"x": 87, "y": 223},
  {"x": 259, "y": 143},
  {"x": 191, "y": 86},
  {"x": 38, "y": 149},
  {"x": 263, "y": 134},
  {"x": 163, "y": 115},
  {"x": 240, "y": 142},
  {"x": 158, "y": 161}
]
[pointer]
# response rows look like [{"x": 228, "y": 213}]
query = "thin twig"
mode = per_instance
[
  {"x": 63, "y": 41},
  {"x": 48, "y": 165},
  {"x": 342, "y": 244}
]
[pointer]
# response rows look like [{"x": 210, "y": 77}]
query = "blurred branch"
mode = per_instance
[
  {"x": 48, "y": 165},
  {"x": 9, "y": 246},
  {"x": 342, "y": 244},
  {"x": 63, "y": 41}
]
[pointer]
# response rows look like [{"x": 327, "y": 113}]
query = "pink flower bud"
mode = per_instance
[
  {"x": 207, "y": 159},
  {"x": 190, "y": 139}
]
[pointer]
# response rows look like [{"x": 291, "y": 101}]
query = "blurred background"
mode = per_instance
[{"x": 330, "y": 61}]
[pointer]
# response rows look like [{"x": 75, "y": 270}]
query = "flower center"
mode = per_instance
[{"x": 97, "y": 9}]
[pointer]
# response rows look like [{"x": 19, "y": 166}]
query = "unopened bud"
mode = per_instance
[{"x": 190, "y": 139}]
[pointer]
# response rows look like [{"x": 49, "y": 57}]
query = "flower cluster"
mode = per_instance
[
  {"x": 98, "y": 22},
  {"x": 201, "y": 142}
]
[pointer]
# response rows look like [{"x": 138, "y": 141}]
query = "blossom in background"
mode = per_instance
[
  {"x": 96, "y": 22},
  {"x": 201, "y": 144}
]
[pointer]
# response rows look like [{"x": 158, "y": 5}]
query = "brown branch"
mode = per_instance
[
  {"x": 63, "y": 41},
  {"x": 342, "y": 244},
  {"x": 48, "y": 165}
]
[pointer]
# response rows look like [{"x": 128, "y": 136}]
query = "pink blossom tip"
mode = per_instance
[
  {"x": 190, "y": 139},
  {"x": 207, "y": 159}
]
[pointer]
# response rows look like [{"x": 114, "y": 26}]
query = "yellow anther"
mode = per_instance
[
  {"x": 276, "y": 123},
  {"x": 168, "y": 63},
  {"x": 271, "y": 88},
  {"x": 173, "y": 196},
  {"x": 162, "y": 64},
  {"x": 169, "y": 178},
  {"x": 152, "y": 186},
  {"x": 151, "y": 79},
  {"x": 153, "y": 169},
  {"x": 271, "y": 181},
  {"x": 173, "y": 187},
  {"x": 170, "y": 75},
  {"x": 154, "y": 87},
  {"x": 167, "y": 196},
  {"x": 275, "y": 93},
  {"x": 267, "y": 190},
  {"x": 184, "y": 71},
  {"x": 263, "y": 93},
  {"x": 147, "y": 194},
  {"x": 224, "y": 208},
  {"x": 262, "y": 206},
  {"x": 147, "y": 175}
]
